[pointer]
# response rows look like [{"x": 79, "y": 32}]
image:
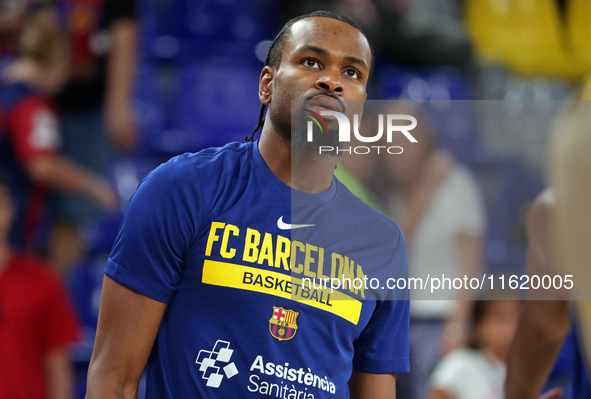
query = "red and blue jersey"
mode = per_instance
[{"x": 28, "y": 130}]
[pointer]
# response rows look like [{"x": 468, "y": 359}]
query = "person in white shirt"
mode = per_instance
[
  {"x": 439, "y": 207},
  {"x": 479, "y": 370}
]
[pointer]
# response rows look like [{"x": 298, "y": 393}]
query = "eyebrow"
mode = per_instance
[{"x": 348, "y": 58}]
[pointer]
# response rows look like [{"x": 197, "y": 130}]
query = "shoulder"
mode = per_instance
[
  {"x": 192, "y": 182},
  {"x": 221, "y": 158},
  {"x": 207, "y": 165}
]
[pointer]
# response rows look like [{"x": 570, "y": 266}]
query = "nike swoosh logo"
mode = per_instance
[{"x": 286, "y": 226}]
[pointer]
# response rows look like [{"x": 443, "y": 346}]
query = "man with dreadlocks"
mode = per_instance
[{"x": 205, "y": 283}]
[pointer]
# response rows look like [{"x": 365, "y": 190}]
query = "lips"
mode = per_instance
[{"x": 323, "y": 102}]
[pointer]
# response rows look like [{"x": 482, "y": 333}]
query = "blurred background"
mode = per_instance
[{"x": 163, "y": 77}]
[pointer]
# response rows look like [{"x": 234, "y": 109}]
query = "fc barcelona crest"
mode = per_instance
[{"x": 283, "y": 323}]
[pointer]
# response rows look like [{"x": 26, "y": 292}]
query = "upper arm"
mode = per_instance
[
  {"x": 142, "y": 274},
  {"x": 372, "y": 386},
  {"x": 160, "y": 225},
  {"x": 127, "y": 327}
]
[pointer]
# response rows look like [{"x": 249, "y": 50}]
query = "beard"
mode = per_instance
[{"x": 302, "y": 127}]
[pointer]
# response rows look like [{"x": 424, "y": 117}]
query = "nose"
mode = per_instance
[{"x": 329, "y": 82}]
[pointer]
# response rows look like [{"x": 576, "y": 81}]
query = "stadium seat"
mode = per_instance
[
  {"x": 217, "y": 102},
  {"x": 150, "y": 101},
  {"x": 444, "y": 97},
  {"x": 193, "y": 103},
  {"x": 526, "y": 35},
  {"x": 227, "y": 28}
]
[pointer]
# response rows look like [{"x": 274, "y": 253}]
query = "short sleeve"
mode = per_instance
[
  {"x": 157, "y": 230},
  {"x": 34, "y": 129},
  {"x": 59, "y": 324},
  {"x": 383, "y": 346}
]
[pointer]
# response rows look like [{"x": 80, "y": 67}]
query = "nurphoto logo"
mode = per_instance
[{"x": 395, "y": 124}]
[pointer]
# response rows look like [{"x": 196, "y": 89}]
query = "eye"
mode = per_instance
[
  {"x": 311, "y": 63},
  {"x": 353, "y": 73}
]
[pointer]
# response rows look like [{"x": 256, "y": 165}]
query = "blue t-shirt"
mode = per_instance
[
  {"x": 244, "y": 264},
  {"x": 26, "y": 132}
]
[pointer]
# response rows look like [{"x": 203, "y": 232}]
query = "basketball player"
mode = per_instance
[
  {"x": 559, "y": 227},
  {"x": 205, "y": 281}
]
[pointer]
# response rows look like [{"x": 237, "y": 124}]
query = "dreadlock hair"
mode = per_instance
[{"x": 276, "y": 51}]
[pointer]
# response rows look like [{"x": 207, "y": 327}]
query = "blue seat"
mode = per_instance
[
  {"x": 193, "y": 103},
  {"x": 421, "y": 84},
  {"x": 217, "y": 102},
  {"x": 227, "y": 28},
  {"x": 151, "y": 96}
]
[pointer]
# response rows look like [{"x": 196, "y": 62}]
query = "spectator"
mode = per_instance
[
  {"x": 29, "y": 135},
  {"x": 95, "y": 106},
  {"x": 439, "y": 208},
  {"x": 558, "y": 226},
  {"x": 479, "y": 371},
  {"x": 545, "y": 318},
  {"x": 37, "y": 322}
]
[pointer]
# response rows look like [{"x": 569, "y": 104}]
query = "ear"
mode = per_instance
[{"x": 266, "y": 85}]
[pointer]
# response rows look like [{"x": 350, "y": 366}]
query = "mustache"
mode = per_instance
[{"x": 323, "y": 93}]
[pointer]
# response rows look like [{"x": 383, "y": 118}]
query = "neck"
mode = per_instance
[{"x": 300, "y": 169}]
